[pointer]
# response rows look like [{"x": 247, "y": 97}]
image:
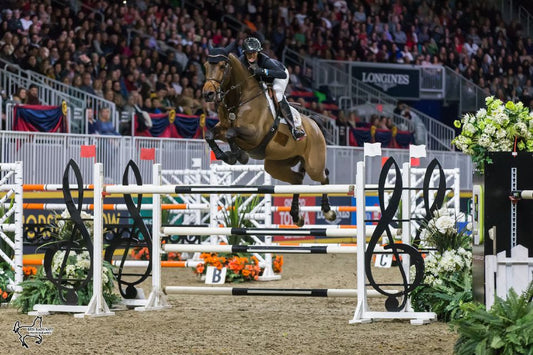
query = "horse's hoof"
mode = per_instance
[
  {"x": 243, "y": 158},
  {"x": 330, "y": 215},
  {"x": 209, "y": 135},
  {"x": 300, "y": 222},
  {"x": 230, "y": 159}
]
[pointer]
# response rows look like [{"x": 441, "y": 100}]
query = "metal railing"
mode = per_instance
[
  {"x": 469, "y": 95},
  {"x": 514, "y": 10},
  {"x": 53, "y": 92},
  {"x": 45, "y": 156},
  {"x": 352, "y": 93},
  {"x": 436, "y": 82}
]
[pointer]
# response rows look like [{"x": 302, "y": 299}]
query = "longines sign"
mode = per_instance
[{"x": 401, "y": 83}]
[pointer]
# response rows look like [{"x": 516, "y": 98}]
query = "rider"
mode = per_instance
[{"x": 272, "y": 72}]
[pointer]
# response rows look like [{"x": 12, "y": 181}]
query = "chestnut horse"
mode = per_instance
[{"x": 250, "y": 128}]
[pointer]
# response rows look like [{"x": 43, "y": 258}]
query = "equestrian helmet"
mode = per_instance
[{"x": 251, "y": 44}]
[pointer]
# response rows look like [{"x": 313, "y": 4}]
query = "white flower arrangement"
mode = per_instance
[
  {"x": 498, "y": 128},
  {"x": 439, "y": 265},
  {"x": 447, "y": 273}
]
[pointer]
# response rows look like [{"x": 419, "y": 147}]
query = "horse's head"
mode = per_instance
[{"x": 217, "y": 72}]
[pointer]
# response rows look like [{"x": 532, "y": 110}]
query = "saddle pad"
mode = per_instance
[{"x": 295, "y": 112}]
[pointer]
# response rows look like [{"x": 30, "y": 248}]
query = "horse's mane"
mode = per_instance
[{"x": 239, "y": 67}]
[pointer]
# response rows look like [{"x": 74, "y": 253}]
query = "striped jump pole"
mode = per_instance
[
  {"x": 53, "y": 187},
  {"x": 522, "y": 194},
  {"x": 114, "y": 207},
  {"x": 239, "y": 291},
  {"x": 318, "y": 232},
  {"x": 238, "y": 189},
  {"x": 132, "y": 263},
  {"x": 163, "y": 263},
  {"x": 282, "y": 249}
]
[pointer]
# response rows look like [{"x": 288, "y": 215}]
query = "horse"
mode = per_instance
[{"x": 246, "y": 122}]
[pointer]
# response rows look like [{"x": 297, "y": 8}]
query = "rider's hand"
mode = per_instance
[{"x": 257, "y": 71}]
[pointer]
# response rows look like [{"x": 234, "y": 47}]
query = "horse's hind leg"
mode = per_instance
[
  {"x": 295, "y": 211},
  {"x": 281, "y": 170},
  {"x": 318, "y": 172},
  {"x": 329, "y": 214}
]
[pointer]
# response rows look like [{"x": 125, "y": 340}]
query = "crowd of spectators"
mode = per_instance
[{"x": 149, "y": 54}]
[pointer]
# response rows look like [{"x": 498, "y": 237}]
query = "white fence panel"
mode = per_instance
[{"x": 503, "y": 273}]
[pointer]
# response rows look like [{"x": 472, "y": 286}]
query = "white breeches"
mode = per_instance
[{"x": 279, "y": 86}]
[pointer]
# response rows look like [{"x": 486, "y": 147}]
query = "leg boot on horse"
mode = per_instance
[{"x": 240, "y": 154}]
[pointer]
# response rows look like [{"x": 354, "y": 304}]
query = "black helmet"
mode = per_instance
[{"x": 251, "y": 44}]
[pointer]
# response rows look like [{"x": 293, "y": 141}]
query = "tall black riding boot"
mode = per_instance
[{"x": 297, "y": 131}]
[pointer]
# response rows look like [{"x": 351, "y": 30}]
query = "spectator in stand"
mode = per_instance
[
  {"x": 33, "y": 95},
  {"x": 103, "y": 125},
  {"x": 21, "y": 96},
  {"x": 87, "y": 83}
]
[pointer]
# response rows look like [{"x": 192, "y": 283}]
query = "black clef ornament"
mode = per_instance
[
  {"x": 78, "y": 241},
  {"x": 138, "y": 230},
  {"x": 392, "y": 304}
]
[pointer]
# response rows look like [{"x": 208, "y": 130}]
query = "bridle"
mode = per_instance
[{"x": 220, "y": 95}]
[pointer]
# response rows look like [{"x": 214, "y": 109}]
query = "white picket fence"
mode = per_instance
[{"x": 503, "y": 273}]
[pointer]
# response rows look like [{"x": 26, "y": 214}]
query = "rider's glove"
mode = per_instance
[{"x": 258, "y": 71}]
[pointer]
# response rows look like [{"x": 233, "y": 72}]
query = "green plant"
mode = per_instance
[
  {"x": 447, "y": 278},
  {"x": 498, "y": 128},
  {"x": 507, "y": 328},
  {"x": 235, "y": 216}
]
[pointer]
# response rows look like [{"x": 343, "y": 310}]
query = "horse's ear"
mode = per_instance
[{"x": 230, "y": 47}]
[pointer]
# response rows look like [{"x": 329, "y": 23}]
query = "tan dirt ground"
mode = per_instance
[{"x": 241, "y": 325}]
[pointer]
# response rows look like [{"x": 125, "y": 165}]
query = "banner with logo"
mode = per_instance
[{"x": 398, "y": 82}]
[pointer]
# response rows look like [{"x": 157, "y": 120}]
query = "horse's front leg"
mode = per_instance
[
  {"x": 216, "y": 133},
  {"x": 236, "y": 151}
]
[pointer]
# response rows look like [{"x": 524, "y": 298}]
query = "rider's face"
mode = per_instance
[{"x": 251, "y": 57}]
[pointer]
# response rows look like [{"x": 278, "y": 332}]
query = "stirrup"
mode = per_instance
[{"x": 298, "y": 133}]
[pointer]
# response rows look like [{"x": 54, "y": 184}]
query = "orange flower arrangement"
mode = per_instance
[
  {"x": 142, "y": 253},
  {"x": 239, "y": 268},
  {"x": 29, "y": 271},
  {"x": 277, "y": 264}
]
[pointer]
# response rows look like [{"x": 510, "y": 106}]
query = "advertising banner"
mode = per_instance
[{"x": 397, "y": 82}]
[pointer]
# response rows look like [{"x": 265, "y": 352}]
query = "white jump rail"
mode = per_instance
[{"x": 11, "y": 179}]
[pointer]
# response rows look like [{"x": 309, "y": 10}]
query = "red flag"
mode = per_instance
[
  {"x": 379, "y": 107},
  {"x": 88, "y": 151},
  {"x": 384, "y": 160},
  {"x": 147, "y": 153},
  {"x": 415, "y": 161},
  {"x": 213, "y": 156}
]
